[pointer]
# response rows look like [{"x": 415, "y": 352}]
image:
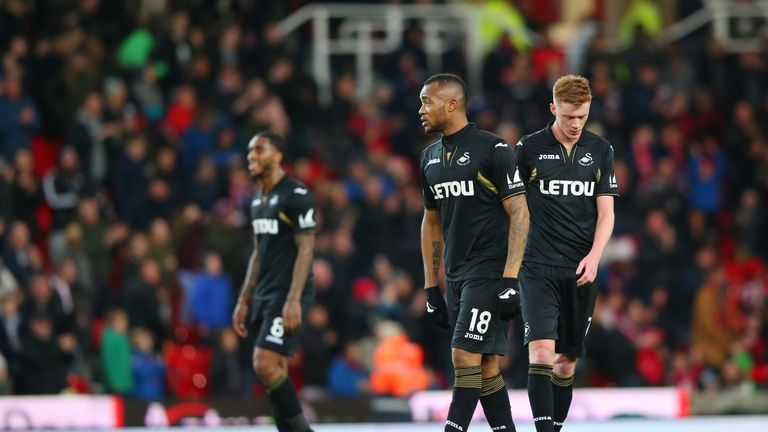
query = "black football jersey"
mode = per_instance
[
  {"x": 465, "y": 177},
  {"x": 562, "y": 189},
  {"x": 288, "y": 209}
]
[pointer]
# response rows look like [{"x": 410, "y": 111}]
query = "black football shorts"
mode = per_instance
[
  {"x": 267, "y": 325},
  {"x": 555, "y": 308},
  {"x": 473, "y": 311}
]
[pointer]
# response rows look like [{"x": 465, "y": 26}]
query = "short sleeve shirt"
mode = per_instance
[
  {"x": 276, "y": 217},
  {"x": 562, "y": 189},
  {"x": 465, "y": 178}
]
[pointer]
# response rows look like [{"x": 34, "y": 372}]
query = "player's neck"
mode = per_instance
[
  {"x": 455, "y": 127},
  {"x": 561, "y": 137},
  {"x": 269, "y": 182}
]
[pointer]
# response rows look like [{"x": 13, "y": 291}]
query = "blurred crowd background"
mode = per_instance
[{"x": 124, "y": 225}]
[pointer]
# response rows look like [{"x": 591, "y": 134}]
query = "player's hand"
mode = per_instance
[
  {"x": 239, "y": 316},
  {"x": 437, "y": 310},
  {"x": 587, "y": 269},
  {"x": 291, "y": 315},
  {"x": 509, "y": 299}
]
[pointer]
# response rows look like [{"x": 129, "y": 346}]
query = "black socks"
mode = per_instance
[
  {"x": 540, "y": 396},
  {"x": 466, "y": 392},
  {"x": 286, "y": 408},
  {"x": 495, "y": 401},
  {"x": 562, "y": 393}
]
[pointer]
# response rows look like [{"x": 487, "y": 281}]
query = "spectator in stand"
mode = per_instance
[
  {"x": 142, "y": 301},
  {"x": 346, "y": 376},
  {"x": 45, "y": 357},
  {"x": 212, "y": 296},
  {"x": 89, "y": 135},
  {"x": 63, "y": 186},
  {"x": 162, "y": 250},
  {"x": 319, "y": 343},
  {"x": 148, "y": 368},
  {"x": 19, "y": 118},
  {"x": 712, "y": 325},
  {"x": 749, "y": 230},
  {"x": 7, "y": 175},
  {"x": 6, "y": 381},
  {"x": 199, "y": 139},
  {"x": 659, "y": 255},
  {"x": 99, "y": 240},
  {"x": 27, "y": 191},
  {"x": 10, "y": 331},
  {"x": 204, "y": 188},
  {"x": 8, "y": 283},
  {"x": 20, "y": 256},
  {"x": 706, "y": 171},
  {"x": 226, "y": 369},
  {"x": 116, "y": 354},
  {"x": 41, "y": 300},
  {"x": 398, "y": 368},
  {"x": 181, "y": 112},
  {"x": 130, "y": 181}
]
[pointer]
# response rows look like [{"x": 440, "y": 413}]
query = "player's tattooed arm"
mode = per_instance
[
  {"x": 437, "y": 252},
  {"x": 305, "y": 243},
  {"x": 519, "y": 220},
  {"x": 431, "y": 247},
  {"x": 240, "y": 314}
]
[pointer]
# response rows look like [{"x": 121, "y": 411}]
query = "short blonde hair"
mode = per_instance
[{"x": 572, "y": 89}]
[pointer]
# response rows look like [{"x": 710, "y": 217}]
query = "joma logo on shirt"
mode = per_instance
[
  {"x": 468, "y": 335},
  {"x": 453, "y": 189},
  {"x": 567, "y": 187},
  {"x": 265, "y": 226}
]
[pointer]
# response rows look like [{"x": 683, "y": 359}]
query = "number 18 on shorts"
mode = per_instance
[{"x": 473, "y": 311}]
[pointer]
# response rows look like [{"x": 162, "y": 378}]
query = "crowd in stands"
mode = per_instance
[{"x": 124, "y": 196}]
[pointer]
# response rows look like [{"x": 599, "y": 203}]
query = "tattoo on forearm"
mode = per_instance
[
  {"x": 437, "y": 254},
  {"x": 300, "y": 273},
  {"x": 518, "y": 233}
]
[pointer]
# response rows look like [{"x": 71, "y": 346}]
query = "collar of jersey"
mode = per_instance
[
  {"x": 581, "y": 142},
  {"x": 274, "y": 188},
  {"x": 454, "y": 138}
]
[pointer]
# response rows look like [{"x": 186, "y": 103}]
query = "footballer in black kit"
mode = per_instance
[
  {"x": 278, "y": 289},
  {"x": 571, "y": 185},
  {"x": 276, "y": 217},
  {"x": 475, "y": 218},
  {"x": 465, "y": 176},
  {"x": 562, "y": 186}
]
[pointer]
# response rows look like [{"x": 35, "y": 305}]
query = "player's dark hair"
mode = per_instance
[
  {"x": 443, "y": 78},
  {"x": 277, "y": 140}
]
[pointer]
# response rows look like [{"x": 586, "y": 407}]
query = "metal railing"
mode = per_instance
[
  {"x": 729, "y": 18},
  {"x": 369, "y": 30}
]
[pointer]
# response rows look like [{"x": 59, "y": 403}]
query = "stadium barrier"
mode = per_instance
[
  {"x": 73, "y": 412},
  {"x": 588, "y": 404},
  {"x": 239, "y": 412}
]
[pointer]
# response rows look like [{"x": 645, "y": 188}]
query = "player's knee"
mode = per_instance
[
  {"x": 541, "y": 353},
  {"x": 462, "y": 358},
  {"x": 564, "y": 366},
  {"x": 490, "y": 366},
  {"x": 267, "y": 370}
]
